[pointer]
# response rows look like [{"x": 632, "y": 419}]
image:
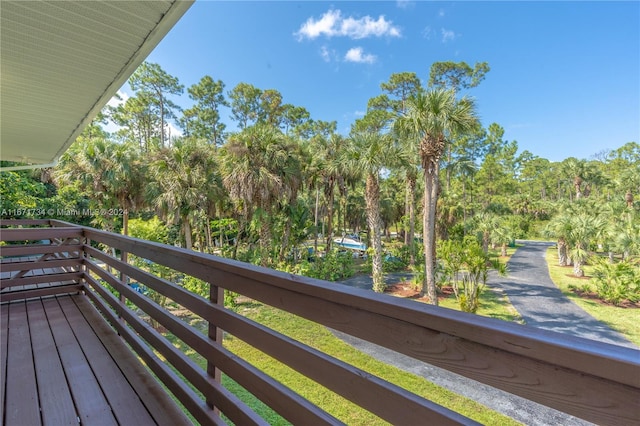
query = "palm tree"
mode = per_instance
[
  {"x": 485, "y": 224},
  {"x": 409, "y": 171},
  {"x": 186, "y": 185},
  {"x": 256, "y": 170},
  {"x": 584, "y": 227},
  {"x": 111, "y": 173},
  {"x": 559, "y": 227},
  {"x": 431, "y": 117},
  {"x": 367, "y": 154},
  {"x": 326, "y": 151}
]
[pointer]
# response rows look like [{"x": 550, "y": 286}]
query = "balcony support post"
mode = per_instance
[{"x": 216, "y": 296}]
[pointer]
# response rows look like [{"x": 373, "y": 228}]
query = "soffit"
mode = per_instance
[{"x": 62, "y": 61}]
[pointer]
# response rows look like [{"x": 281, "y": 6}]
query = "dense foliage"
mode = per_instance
[{"x": 281, "y": 187}]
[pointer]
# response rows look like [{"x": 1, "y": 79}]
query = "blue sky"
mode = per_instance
[{"x": 564, "y": 79}]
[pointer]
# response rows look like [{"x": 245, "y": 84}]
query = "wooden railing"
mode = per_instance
[{"x": 592, "y": 380}]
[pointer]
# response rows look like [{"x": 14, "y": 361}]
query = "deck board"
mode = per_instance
[
  {"x": 125, "y": 403},
  {"x": 63, "y": 364},
  {"x": 91, "y": 403},
  {"x": 155, "y": 398},
  {"x": 21, "y": 404},
  {"x": 4, "y": 332},
  {"x": 55, "y": 396}
]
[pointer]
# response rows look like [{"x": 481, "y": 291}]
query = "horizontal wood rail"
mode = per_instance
[{"x": 592, "y": 380}]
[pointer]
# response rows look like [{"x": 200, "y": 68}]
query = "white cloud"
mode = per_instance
[
  {"x": 359, "y": 113},
  {"x": 426, "y": 33},
  {"x": 448, "y": 35},
  {"x": 324, "y": 52},
  {"x": 405, "y": 4},
  {"x": 333, "y": 24},
  {"x": 356, "y": 54},
  {"x": 173, "y": 131},
  {"x": 441, "y": 13},
  {"x": 115, "y": 101}
]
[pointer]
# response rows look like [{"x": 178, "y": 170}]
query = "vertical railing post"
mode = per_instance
[
  {"x": 124, "y": 256},
  {"x": 216, "y": 296},
  {"x": 84, "y": 256}
]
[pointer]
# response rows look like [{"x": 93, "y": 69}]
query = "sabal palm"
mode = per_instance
[
  {"x": 408, "y": 167},
  {"x": 559, "y": 228},
  {"x": 326, "y": 151},
  {"x": 186, "y": 183},
  {"x": 257, "y": 171},
  {"x": 584, "y": 227},
  {"x": 366, "y": 154},
  {"x": 111, "y": 173},
  {"x": 431, "y": 117}
]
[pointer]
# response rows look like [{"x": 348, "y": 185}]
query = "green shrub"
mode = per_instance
[{"x": 616, "y": 282}]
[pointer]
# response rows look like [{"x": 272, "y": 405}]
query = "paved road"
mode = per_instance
[{"x": 540, "y": 303}]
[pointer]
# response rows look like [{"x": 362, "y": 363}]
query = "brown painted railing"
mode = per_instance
[{"x": 592, "y": 380}]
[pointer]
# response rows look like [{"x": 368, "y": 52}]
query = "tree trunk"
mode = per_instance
[
  {"x": 315, "y": 223},
  {"x": 265, "y": 238},
  {"x": 503, "y": 252},
  {"x": 373, "y": 219},
  {"x": 577, "y": 268},
  {"x": 412, "y": 221},
  {"x": 562, "y": 252},
  {"x": 429, "y": 227},
  {"x": 329, "y": 194},
  {"x": 407, "y": 211},
  {"x": 285, "y": 238},
  {"x": 186, "y": 229}
]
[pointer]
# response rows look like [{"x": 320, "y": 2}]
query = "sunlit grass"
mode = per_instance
[
  {"x": 623, "y": 320},
  {"x": 321, "y": 338}
]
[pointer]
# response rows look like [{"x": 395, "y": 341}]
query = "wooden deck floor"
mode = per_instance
[{"x": 62, "y": 364}]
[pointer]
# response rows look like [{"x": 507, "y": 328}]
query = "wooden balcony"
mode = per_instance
[{"x": 77, "y": 345}]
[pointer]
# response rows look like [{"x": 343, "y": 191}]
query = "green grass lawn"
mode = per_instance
[
  {"x": 624, "y": 320},
  {"x": 321, "y": 338}
]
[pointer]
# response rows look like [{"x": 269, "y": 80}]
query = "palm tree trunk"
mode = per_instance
[
  {"x": 265, "y": 239},
  {"x": 407, "y": 211},
  {"x": 315, "y": 223},
  {"x": 186, "y": 228},
  {"x": 285, "y": 237},
  {"x": 412, "y": 220},
  {"x": 562, "y": 252},
  {"x": 429, "y": 228},
  {"x": 372, "y": 200},
  {"x": 330, "y": 213}
]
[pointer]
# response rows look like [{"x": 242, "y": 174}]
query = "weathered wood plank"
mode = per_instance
[
  {"x": 39, "y": 234},
  {"x": 289, "y": 404},
  {"x": 124, "y": 402},
  {"x": 22, "y": 405},
  {"x": 183, "y": 393},
  {"x": 24, "y": 222},
  {"x": 91, "y": 403},
  {"x": 35, "y": 249},
  {"x": 55, "y": 397},
  {"x": 58, "y": 277},
  {"x": 164, "y": 411},
  {"x": 236, "y": 410},
  {"x": 4, "y": 332},
  {"x": 34, "y": 265},
  {"x": 30, "y": 293}
]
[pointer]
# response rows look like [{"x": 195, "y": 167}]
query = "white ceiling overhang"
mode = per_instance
[{"x": 62, "y": 61}]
